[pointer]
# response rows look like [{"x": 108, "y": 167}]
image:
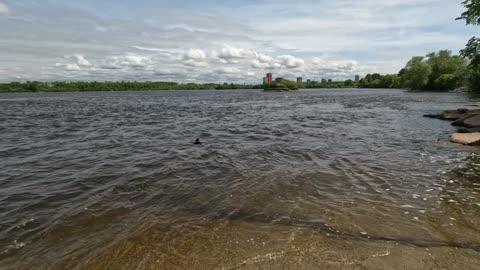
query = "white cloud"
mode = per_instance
[
  {"x": 72, "y": 67},
  {"x": 193, "y": 63},
  {"x": 262, "y": 58},
  {"x": 81, "y": 61},
  {"x": 228, "y": 53},
  {"x": 228, "y": 70},
  {"x": 165, "y": 50},
  {"x": 195, "y": 55},
  {"x": 6, "y": 10},
  {"x": 126, "y": 61},
  {"x": 290, "y": 61},
  {"x": 259, "y": 65}
]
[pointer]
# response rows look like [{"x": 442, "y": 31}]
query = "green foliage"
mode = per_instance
[
  {"x": 379, "y": 81},
  {"x": 281, "y": 85},
  {"x": 472, "y": 52},
  {"x": 445, "y": 67},
  {"x": 416, "y": 74},
  {"x": 446, "y": 82},
  {"x": 440, "y": 71},
  {"x": 472, "y": 49},
  {"x": 324, "y": 83},
  {"x": 473, "y": 80},
  {"x": 349, "y": 83},
  {"x": 288, "y": 84},
  {"x": 472, "y": 14},
  {"x": 112, "y": 86}
]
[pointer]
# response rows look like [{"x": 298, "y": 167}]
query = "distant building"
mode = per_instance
[
  {"x": 278, "y": 80},
  {"x": 357, "y": 78},
  {"x": 299, "y": 80},
  {"x": 265, "y": 80},
  {"x": 269, "y": 77},
  {"x": 309, "y": 81}
]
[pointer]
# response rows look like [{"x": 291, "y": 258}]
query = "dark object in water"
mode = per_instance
[{"x": 197, "y": 141}]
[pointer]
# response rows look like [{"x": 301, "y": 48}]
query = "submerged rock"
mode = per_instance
[{"x": 466, "y": 138}]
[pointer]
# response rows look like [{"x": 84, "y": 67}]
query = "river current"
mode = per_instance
[{"x": 315, "y": 179}]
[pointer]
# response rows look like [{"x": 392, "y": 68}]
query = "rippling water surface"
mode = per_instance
[{"x": 319, "y": 179}]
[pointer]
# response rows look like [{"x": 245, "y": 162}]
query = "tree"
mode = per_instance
[
  {"x": 472, "y": 50},
  {"x": 446, "y": 82},
  {"x": 349, "y": 83},
  {"x": 289, "y": 84},
  {"x": 444, "y": 63},
  {"x": 472, "y": 14},
  {"x": 417, "y": 74}
]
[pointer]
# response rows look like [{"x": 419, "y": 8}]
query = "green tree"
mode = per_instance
[
  {"x": 289, "y": 84},
  {"x": 472, "y": 49},
  {"x": 472, "y": 14},
  {"x": 444, "y": 63},
  {"x": 417, "y": 73},
  {"x": 349, "y": 83}
]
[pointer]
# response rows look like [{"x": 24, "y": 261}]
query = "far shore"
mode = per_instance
[
  {"x": 60, "y": 87},
  {"x": 79, "y": 86}
]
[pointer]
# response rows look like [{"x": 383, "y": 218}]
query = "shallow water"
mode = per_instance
[{"x": 329, "y": 179}]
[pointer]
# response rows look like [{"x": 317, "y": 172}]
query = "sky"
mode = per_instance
[{"x": 235, "y": 41}]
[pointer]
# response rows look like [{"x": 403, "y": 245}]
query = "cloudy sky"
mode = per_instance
[{"x": 220, "y": 40}]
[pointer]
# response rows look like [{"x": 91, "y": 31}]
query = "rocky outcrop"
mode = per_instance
[
  {"x": 453, "y": 115},
  {"x": 468, "y": 122},
  {"x": 466, "y": 138}
]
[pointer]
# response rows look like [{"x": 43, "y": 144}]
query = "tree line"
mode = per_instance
[
  {"x": 35, "y": 86},
  {"x": 440, "y": 71}
]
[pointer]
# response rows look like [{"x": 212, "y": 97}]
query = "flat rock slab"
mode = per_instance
[
  {"x": 466, "y": 138},
  {"x": 470, "y": 121}
]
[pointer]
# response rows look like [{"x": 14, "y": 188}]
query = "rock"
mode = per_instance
[
  {"x": 469, "y": 121},
  {"x": 453, "y": 115},
  {"x": 434, "y": 116},
  {"x": 466, "y": 138},
  {"x": 469, "y": 130}
]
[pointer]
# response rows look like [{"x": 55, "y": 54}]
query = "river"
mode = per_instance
[{"x": 315, "y": 179}]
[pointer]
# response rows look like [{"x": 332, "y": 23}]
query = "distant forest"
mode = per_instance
[{"x": 114, "y": 86}]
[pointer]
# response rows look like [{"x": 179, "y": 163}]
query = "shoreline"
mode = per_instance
[{"x": 223, "y": 89}]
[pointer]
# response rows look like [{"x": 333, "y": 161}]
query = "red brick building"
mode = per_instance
[{"x": 269, "y": 77}]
